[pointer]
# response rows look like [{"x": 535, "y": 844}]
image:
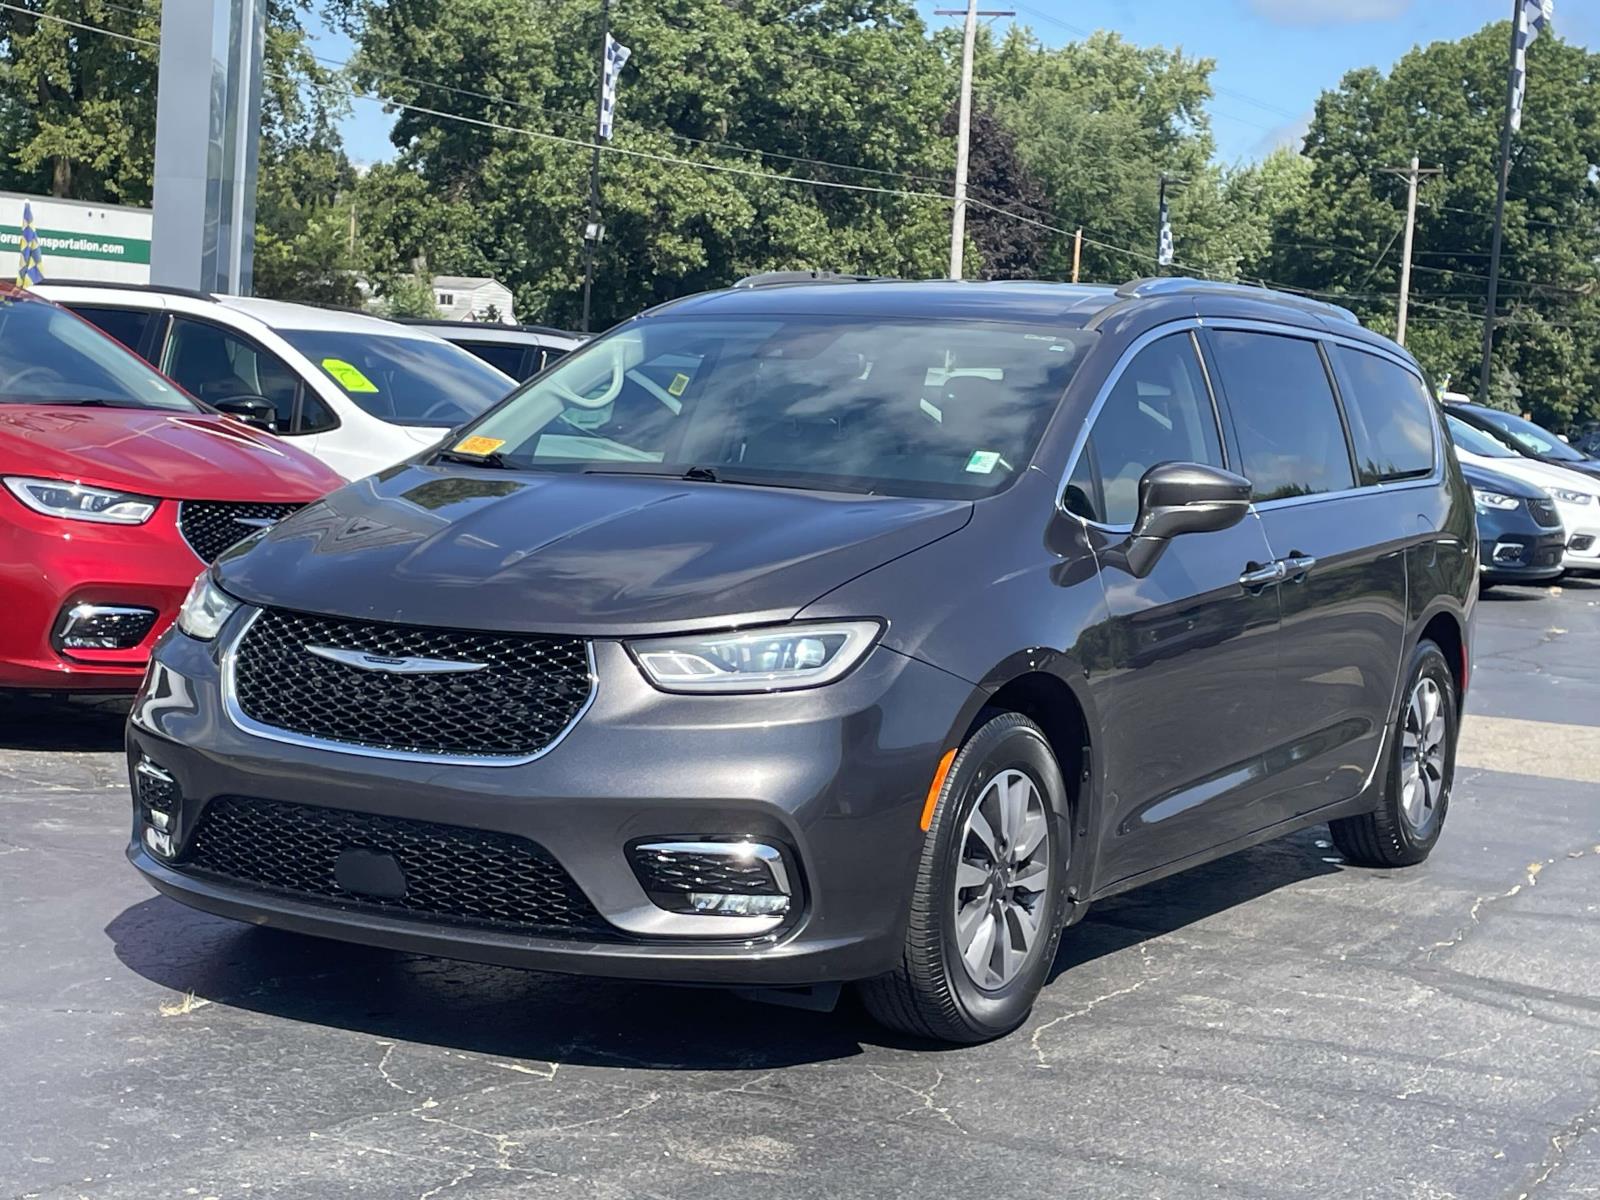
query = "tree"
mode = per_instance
[
  {"x": 1007, "y": 248},
  {"x": 78, "y": 119},
  {"x": 1445, "y": 103},
  {"x": 407, "y": 295}
]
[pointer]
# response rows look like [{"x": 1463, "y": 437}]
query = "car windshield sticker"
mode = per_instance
[
  {"x": 679, "y": 382},
  {"x": 983, "y": 461},
  {"x": 481, "y": 446},
  {"x": 933, "y": 410},
  {"x": 348, "y": 376}
]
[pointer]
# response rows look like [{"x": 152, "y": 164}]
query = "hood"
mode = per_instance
[
  {"x": 604, "y": 555},
  {"x": 172, "y": 455},
  {"x": 1531, "y": 470},
  {"x": 1486, "y": 480}
]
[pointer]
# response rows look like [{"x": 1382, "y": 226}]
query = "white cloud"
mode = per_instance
[
  {"x": 1290, "y": 134},
  {"x": 1328, "y": 12}
]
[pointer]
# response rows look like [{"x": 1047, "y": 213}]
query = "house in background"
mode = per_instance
[{"x": 472, "y": 298}]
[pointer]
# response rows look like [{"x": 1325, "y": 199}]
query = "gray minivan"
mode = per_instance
[{"x": 836, "y": 631}]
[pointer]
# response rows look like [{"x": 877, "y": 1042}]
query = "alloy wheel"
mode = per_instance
[
  {"x": 1423, "y": 743},
  {"x": 1002, "y": 879}
]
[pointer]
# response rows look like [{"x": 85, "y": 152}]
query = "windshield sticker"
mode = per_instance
[
  {"x": 933, "y": 411},
  {"x": 679, "y": 382},
  {"x": 481, "y": 446},
  {"x": 347, "y": 376},
  {"x": 983, "y": 461}
]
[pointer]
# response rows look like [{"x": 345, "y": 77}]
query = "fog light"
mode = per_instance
[
  {"x": 722, "y": 904},
  {"x": 732, "y": 878},
  {"x": 1581, "y": 542},
  {"x": 154, "y": 786},
  {"x": 1508, "y": 552},
  {"x": 103, "y": 627}
]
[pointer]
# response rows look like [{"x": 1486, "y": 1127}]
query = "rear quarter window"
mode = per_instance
[{"x": 1391, "y": 421}]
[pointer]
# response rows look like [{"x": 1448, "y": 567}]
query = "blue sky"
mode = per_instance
[{"x": 1274, "y": 57}]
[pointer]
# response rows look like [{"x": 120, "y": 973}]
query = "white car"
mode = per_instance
[
  {"x": 358, "y": 392},
  {"x": 1576, "y": 496}
]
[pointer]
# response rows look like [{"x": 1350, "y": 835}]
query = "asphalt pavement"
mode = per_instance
[{"x": 1274, "y": 1024}]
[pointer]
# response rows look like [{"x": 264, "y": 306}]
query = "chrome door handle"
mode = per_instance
[
  {"x": 1297, "y": 566},
  {"x": 1258, "y": 577}
]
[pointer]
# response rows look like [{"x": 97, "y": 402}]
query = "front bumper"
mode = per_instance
[
  {"x": 48, "y": 565},
  {"x": 835, "y": 776},
  {"x": 1583, "y": 551}
]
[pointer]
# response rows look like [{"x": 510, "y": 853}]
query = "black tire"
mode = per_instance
[
  {"x": 1387, "y": 836},
  {"x": 931, "y": 993}
]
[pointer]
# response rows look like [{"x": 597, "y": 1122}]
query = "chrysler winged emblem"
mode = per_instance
[{"x": 395, "y": 666}]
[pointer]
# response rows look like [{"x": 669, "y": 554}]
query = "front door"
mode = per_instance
[
  {"x": 1183, "y": 682},
  {"x": 1342, "y": 539}
]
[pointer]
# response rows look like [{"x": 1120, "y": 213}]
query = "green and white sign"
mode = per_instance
[{"x": 81, "y": 245}]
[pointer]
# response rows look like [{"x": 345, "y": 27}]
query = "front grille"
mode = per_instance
[
  {"x": 1544, "y": 513},
  {"x": 211, "y": 526},
  {"x": 451, "y": 873},
  {"x": 531, "y": 690}
]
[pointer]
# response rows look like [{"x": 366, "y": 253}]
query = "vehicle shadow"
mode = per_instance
[
  {"x": 1170, "y": 904},
  {"x": 544, "y": 1017},
  {"x": 40, "y": 721}
]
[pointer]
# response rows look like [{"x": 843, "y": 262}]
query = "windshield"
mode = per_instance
[
  {"x": 403, "y": 380},
  {"x": 50, "y": 356},
  {"x": 909, "y": 408},
  {"x": 1535, "y": 439},
  {"x": 1475, "y": 441}
]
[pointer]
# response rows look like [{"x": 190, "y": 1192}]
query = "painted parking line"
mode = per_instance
[{"x": 1542, "y": 748}]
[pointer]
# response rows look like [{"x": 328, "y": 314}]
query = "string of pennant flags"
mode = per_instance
[{"x": 30, "y": 263}]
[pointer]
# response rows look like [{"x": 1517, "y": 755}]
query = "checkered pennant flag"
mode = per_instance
[
  {"x": 616, "y": 56},
  {"x": 30, "y": 261},
  {"x": 1164, "y": 238},
  {"x": 1532, "y": 17}
]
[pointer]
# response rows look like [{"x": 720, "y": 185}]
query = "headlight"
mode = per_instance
[
  {"x": 760, "y": 660},
  {"x": 205, "y": 608},
  {"x": 74, "y": 502},
  {"x": 1567, "y": 497},
  {"x": 1484, "y": 501}
]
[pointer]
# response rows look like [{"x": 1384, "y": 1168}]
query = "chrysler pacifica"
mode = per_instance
[{"x": 835, "y": 631}]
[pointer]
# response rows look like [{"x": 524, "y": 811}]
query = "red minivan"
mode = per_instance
[{"x": 116, "y": 488}]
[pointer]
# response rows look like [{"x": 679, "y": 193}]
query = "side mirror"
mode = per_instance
[
  {"x": 252, "y": 410},
  {"x": 1177, "y": 498}
]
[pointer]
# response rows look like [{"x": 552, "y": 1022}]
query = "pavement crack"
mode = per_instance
[
  {"x": 1530, "y": 879},
  {"x": 383, "y": 1069},
  {"x": 1078, "y": 1012},
  {"x": 1561, "y": 1144},
  {"x": 923, "y": 1094}
]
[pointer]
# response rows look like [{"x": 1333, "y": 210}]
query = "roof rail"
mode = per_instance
[
  {"x": 1180, "y": 285},
  {"x": 160, "y": 288},
  {"x": 491, "y": 326},
  {"x": 775, "y": 278}
]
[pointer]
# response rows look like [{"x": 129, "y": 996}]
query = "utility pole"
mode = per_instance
[
  {"x": 1077, "y": 252},
  {"x": 958, "y": 218},
  {"x": 594, "y": 231},
  {"x": 1411, "y": 175}
]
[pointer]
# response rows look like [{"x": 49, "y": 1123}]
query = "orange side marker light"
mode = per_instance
[{"x": 935, "y": 788}]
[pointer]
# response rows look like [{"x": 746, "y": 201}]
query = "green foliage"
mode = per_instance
[
  {"x": 1445, "y": 103},
  {"x": 406, "y": 295}
]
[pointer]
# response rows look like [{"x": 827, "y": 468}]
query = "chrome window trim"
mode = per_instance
[
  {"x": 244, "y": 723},
  {"x": 1182, "y": 325},
  {"x": 1248, "y": 324}
]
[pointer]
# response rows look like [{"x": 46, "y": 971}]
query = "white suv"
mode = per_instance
[{"x": 358, "y": 392}]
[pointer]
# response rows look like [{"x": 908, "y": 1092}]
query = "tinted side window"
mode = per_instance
[
  {"x": 127, "y": 325},
  {"x": 1158, "y": 411},
  {"x": 1291, "y": 441},
  {"x": 1390, "y": 417},
  {"x": 215, "y": 364},
  {"x": 315, "y": 415},
  {"x": 500, "y": 357}
]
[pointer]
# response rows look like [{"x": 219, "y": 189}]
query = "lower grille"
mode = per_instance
[
  {"x": 1544, "y": 513},
  {"x": 450, "y": 873},
  {"x": 211, "y": 526}
]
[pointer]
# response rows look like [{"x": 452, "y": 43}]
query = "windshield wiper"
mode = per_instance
[
  {"x": 494, "y": 459},
  {"x": 703, "y": 474}
]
